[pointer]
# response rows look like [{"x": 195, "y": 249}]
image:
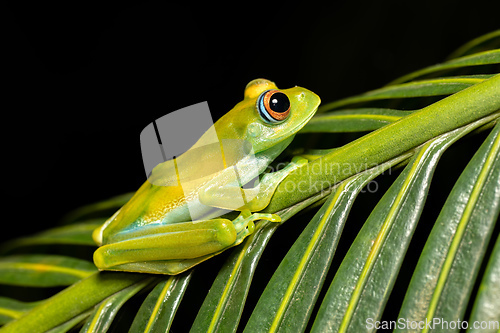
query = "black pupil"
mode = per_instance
[{"x": 279, "y": 102}]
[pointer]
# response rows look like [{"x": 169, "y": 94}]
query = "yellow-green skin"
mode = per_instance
[{"x": 171, "y": 223}]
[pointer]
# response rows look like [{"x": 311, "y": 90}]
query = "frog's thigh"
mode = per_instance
[
  {"x": 256, "y": 198},
  {"x": 208, "y": 237}
]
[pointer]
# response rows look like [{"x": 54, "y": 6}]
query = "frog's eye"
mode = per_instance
[{"x": 273, "y": 106}]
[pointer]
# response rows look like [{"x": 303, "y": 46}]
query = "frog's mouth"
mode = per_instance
[
  {"x": 304, "y": 121},
  {"x": 314, "y": 102}
]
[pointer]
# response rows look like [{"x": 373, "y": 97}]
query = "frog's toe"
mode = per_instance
[
  {"x": 250, "y": 227},
  {"x": 299, "y": 161}
]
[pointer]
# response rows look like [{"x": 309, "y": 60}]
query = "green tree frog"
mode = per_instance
[{"x": 173, "y": 222}]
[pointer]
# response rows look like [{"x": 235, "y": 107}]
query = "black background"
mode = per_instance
[{"x": 84, "y": 79}]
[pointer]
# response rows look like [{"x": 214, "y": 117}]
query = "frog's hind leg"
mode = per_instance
[{"x": 175, "y": 247}]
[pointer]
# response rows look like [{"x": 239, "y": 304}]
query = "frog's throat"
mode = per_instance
[{"x": 244, "y": 223}]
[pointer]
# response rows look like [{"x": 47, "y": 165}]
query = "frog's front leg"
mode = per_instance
[
  {"x": 174, "y": 248},
  {"x": 229, "y": 196}
]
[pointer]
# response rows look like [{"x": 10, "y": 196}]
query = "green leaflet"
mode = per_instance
[
  {"x": 65, "y": 327},
  {"x": 222, "y": 308},
  {"x": 471, "y": 46},
  {"x": 434, "y": 87},
  {"x": 305, "y": 266},
  {"x": 158, "y": 310},
  {"x": 43, "y": 270},
  {"x": 477, "y": 59},
  {"x": 355, "y": 120},
  {"x": 74, "y": 234},
  {"x": 101, "y": 318},
  {"x": 98, "y": 208},
  {"x": 73, "y": 302},
  {"x": 487, "y": 305},
  {"x": 13, "y": 309},
  {"x": 448, "y": 266},
  {"x": 365, "y": 278}
]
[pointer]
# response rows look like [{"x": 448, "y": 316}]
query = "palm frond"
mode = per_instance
[{"x": 411, "y": 124}]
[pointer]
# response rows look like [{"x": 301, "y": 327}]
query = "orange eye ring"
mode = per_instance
[{"x": 273, "y": 106}]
